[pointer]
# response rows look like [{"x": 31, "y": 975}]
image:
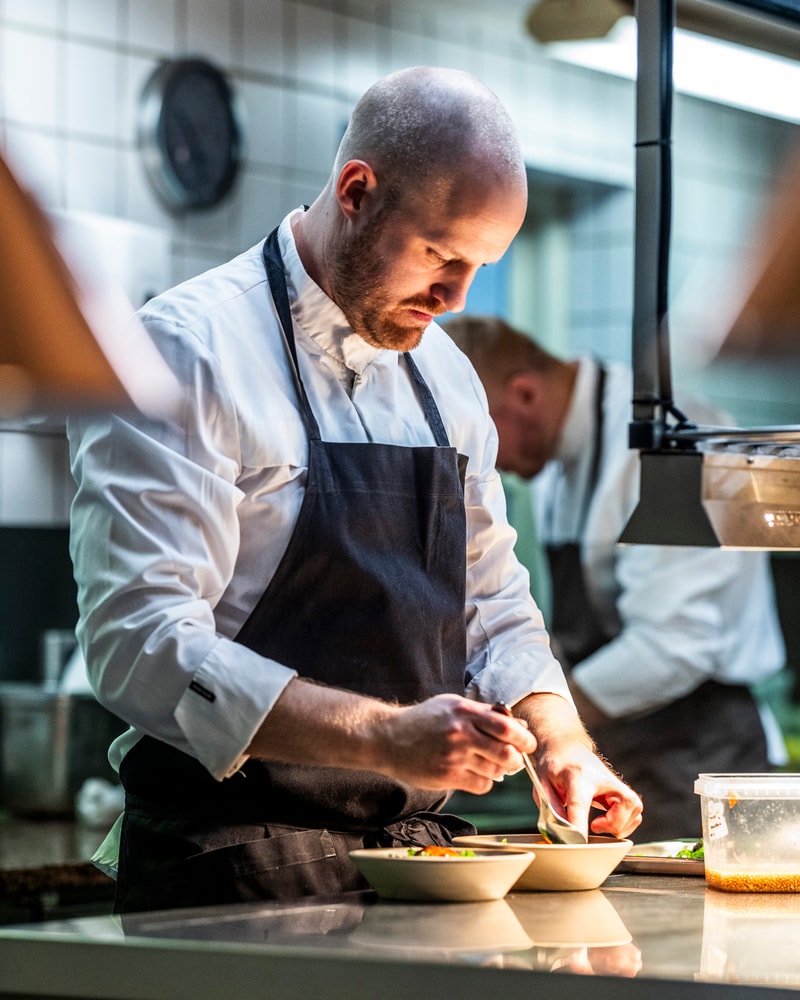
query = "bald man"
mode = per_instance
[
  {"x": 302, "y": 595},
  {"x": 661, "y": 643}
]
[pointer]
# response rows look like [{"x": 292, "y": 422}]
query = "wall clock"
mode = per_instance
[{"x": 190, "y": 133}]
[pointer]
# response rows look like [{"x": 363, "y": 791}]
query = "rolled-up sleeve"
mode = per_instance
[{"x": 154, "y": 542}]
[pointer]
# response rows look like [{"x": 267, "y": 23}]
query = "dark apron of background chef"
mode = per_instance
[
  {"x": 714, "y": 728},
  {"x": 369, "y": 596}
]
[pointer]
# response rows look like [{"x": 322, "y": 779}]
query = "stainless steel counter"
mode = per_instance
[{"x": 638, "y": 936}]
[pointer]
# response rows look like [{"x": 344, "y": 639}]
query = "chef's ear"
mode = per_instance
[
  {"x": 356, "y": 188},
  {"x": 523, "y": 390}
]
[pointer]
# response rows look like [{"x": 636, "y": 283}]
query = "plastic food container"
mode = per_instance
[{"x": 751, "y": 831}]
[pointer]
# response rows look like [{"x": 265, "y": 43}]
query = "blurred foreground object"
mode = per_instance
[
  {"x": 766, "y": 322},
  {"x": 69, "y": 339}
]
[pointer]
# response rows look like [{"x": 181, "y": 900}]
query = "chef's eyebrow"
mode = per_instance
[{"x": 450, "y": 256}]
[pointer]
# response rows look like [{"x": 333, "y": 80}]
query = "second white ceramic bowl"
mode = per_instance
[{"x": 557, "y": 866}]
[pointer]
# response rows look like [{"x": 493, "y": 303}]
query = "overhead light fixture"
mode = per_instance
[
  {"x": 772, "y": 27},
  {"x": 566, "y": 20},
  {"x": 720, "y": 499},
  {"x": 721, "y": 53},
  {"x": 763, "y": 320}
]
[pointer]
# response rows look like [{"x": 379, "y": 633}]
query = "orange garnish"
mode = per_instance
[{"x": 438, "y": 852}]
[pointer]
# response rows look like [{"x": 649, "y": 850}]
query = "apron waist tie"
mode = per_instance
[{"x": 422, "y": 829}]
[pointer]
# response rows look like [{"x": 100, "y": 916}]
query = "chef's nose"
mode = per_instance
[{"x": 452, "y": 290}]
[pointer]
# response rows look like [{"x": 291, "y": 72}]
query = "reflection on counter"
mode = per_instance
[
  {"x": 481, "y": 929},
  {"x": 577, "y": 932},
  {"x": 751, "y": 938},
  {"x": 570, "y": 919},
  {"x": 636, "y": 927}
]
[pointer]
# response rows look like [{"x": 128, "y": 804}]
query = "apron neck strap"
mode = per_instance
[
  {"x": 429, "y": 407},
  {"x": 597, "y": 447},
  {"x": 273, "y": 264},
  {"x": 597, "y": 457}
]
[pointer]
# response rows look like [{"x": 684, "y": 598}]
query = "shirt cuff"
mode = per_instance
[
  {"x": 227, "y": 700},
  {"x": 515, "y": 677}
]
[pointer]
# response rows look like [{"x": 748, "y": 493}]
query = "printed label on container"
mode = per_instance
[{"x": 717, "y": 827}]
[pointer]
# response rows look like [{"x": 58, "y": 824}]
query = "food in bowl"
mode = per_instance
[{"x": 435, "y": 851}]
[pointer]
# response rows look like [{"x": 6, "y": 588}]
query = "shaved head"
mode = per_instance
[
  {"x": 415, "y": 127},
  {"x": 428, "y": 186}
]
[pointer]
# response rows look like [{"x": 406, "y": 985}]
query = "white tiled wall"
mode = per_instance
[
  {"x": 35, "y": 484},
  {"x": 71, "y": 72}
]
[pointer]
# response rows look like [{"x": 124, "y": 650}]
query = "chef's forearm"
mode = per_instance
[
  {"x": 318, "y": 725},
  {"x": 553, "y": 720},
  {"x": 443, "y": 742}
]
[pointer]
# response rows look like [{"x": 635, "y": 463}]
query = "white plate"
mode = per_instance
[
  {"x": 657, "y": 857},
  {"x": 557, "y": 866},
  {"x": 394, "y": 874}
]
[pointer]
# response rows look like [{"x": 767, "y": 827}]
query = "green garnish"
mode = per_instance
[{"x": 696, "y": 853}]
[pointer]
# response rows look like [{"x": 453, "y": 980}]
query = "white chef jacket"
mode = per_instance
[
  {"x": 688, "y": 614},
  {"x": 178, "y": 527}
]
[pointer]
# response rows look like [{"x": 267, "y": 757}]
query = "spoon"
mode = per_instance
[{"x": 554, "y": 827}]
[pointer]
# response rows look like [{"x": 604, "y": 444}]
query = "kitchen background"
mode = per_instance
[{"x": 71, "y": 76}]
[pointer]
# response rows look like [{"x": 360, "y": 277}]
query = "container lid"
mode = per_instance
[{"x": 775, "y": 785}]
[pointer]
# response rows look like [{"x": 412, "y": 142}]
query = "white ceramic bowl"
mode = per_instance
[
  {"x": 557, "y": 866},
  {"x": 488, "y": 874}
]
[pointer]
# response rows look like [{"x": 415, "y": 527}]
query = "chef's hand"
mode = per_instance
[
  {"x": 452, "y": 742},
  {"x": 580, "y": 779},
  {"x": 574, "y": 773},
  {"x": 445, "y": 742}
]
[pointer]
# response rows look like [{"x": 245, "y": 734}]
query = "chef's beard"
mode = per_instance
[{"x": 358, "y": 281}]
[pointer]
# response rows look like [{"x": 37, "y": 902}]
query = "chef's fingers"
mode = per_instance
[
  {"x": 622, "y": 815},
  {"x": 500, "y": 739},
  {"x": 498, "y": 721},
  {"x": 621, "y": 818},
  {"x": 450, "y": 742},
  {"x": 584, "y": 780}
]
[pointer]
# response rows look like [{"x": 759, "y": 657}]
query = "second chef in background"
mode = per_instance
[{"x": 662, "y": 643}]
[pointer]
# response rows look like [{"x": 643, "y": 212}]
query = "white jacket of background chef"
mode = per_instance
[
  {"x": 178, "y": 528},
  {"x": 688, "y": 614}
]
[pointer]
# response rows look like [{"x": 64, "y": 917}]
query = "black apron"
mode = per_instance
[
  {"x": 715, "y": 728},
  {"x": 369, "y": 596}
]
